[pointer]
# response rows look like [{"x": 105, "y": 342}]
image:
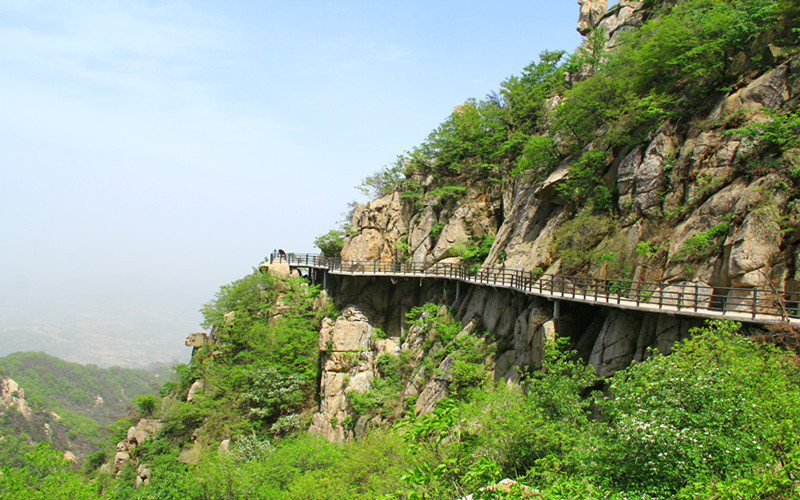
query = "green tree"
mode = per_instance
[{"x": 331, "y": 243}]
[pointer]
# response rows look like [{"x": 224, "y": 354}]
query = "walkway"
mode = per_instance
[{"x": 685, "y": 299}]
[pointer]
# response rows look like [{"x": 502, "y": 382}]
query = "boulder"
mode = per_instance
[
  {"x": 147, "y": 428},
  {"x": 279, "y": 270},
  {"x": 120, "y": 459},
  {"x": 350, "y": 331},
  {"x": 770, "y": 90},
  {"x": 377, "y": 226}
]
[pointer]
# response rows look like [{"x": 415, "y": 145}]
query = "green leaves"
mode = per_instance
[
  {"x": 331, "y": 243},
  {"x": 719, "y": 407}
]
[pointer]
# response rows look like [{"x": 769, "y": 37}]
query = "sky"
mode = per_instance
[{"x": 153, "y": 151}]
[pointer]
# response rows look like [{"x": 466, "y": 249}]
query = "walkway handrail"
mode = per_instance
[{"x": 746, "y": 304}]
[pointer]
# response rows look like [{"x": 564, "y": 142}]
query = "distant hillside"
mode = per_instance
[{"x": 84, "y": 399}]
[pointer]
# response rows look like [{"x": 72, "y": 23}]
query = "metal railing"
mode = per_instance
[{"x": 747, "y": 304}]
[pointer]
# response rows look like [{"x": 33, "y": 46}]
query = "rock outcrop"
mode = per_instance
[
  {"x": 591, "y": 13},
  {"x": 13, "y": 396}
]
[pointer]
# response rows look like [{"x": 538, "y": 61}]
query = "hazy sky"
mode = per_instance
[{"x": 155, "y": 150}]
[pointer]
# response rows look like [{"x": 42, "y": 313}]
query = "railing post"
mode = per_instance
[
  {"x": 755, "y": 301},
  {"x": 696, "y": 296}
]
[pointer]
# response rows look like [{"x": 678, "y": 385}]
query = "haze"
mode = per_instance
[{"x": 155, "y": 150}]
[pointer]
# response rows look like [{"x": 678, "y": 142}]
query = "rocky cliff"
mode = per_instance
[{"x": 696, "y": 200}]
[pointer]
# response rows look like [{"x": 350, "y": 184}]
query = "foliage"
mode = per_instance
[
  {"x": 584, "y": 181},
  {"x": 476, "y": 252},
  {"x": 147, "y": 404},
  {"x": 703, "y": 244},
  {"x": 264, "y": 368},
  {"x": 384, "y": 181},
  {"x": 673, "y": 66},
  {"x": 71, "y": 389},
  {"x": 780, "y": 132},
  {"x": 271, "y": 394},
  {"x": 539, "y": 157},
  {"x": 331, "y": 243},
  {"x": 574, "y": 239},
  {"x": 720, "y": 407},
  {"x": 435, "y": 231},
  {"x": 46, "y": 475}
]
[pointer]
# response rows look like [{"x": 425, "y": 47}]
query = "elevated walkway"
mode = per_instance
[{"x": 685, "y": 299}]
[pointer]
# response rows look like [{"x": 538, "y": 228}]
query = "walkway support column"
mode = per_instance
[{"x": 557, "y": 314}]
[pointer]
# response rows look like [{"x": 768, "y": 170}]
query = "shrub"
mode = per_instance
[
  {"x": 476, "y": 252},
  {"x": 574, "y": 240},
  {"x": 331, "y": 243},
  {"x": 702, "y": 245},
  {"x": 719, "y": 407}
]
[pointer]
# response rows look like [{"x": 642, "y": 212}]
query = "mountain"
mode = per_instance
[{"x": 68, "y": 404}]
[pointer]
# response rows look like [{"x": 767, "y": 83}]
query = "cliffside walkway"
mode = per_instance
[{"x": 685, "y": 299}]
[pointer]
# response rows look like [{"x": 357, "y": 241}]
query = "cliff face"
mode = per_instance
[{"x": 695, "y": 202}]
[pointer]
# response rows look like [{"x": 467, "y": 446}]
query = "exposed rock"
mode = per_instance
[
  {"x": 197, "y": 385},
  {"x": 70, "y": 457},
  {"x": 197, "y": 339},
  {"x": 349, "y": 332},
  {"x": 616, "y": 344},
  {"x": 467, "y": 221},
  {"x": 639, "y": 177},
  {"x": 224, "y": 446},
  {"x": 591, "y": 12},
  {"x": 142, "y": 475},
  {"x": 771, "y": 90},
  {"x": 379, "y": 224},
  {"x": 753, "y": 247},
  {"x": 419, "y": 240},
  {"x": 12, "y": 395},
  {"x": 279, "y": 270},
  {"x": 623, "y": 16},
  {"x": 437, "y": 389},
  {"x": 191, "y": 454},
  {"x": 147, "y": 428},
  {"x": 121, "y": 458}
]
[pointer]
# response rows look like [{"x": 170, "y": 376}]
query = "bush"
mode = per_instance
[
  {"x": 719, "y": 408},
  {"x": 147, "y": 404},
  {"x": 331, "y": 243},
  {"x": 476, "y": 252},
  {"x": 704, "y": 244},
  {"x": 574, "y": 240}
]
